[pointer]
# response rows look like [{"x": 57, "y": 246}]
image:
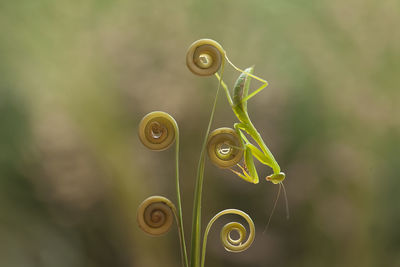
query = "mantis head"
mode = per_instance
[{"x": 276, "y": 178}]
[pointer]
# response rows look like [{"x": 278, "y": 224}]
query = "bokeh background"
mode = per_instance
[{"x": 76, "y": 77}]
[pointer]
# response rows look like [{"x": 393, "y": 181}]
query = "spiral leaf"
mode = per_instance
[
  {"x": 224, "y": 147},
  {"x": 204, "y": 57},
  {"x": 155, "y": 215},
  {"x": 157, "y": 130},
  {"x": 230, "y": 244}
]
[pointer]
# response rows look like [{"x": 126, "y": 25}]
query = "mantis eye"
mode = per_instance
[
  {"x": 155, "y": 215},
  {"x": 224, "y": 147},
  {"x": 204, "y": 57},
  {"x": 157, "y": 130}
]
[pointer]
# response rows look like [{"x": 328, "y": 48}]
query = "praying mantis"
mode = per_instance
[
  {"x": 205, "y": 57},
  {"x": 239, "y": 106}
]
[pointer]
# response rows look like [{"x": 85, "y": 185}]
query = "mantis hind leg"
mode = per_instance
[
  {"x": 245, "y": 99},
  {"x": 265, "y": 83},
  {"x": 255, "y": 92}
]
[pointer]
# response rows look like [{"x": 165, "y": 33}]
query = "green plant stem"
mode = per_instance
[
  {"x": 178, "y": 197},
  {"x": 196, "y": 219}
]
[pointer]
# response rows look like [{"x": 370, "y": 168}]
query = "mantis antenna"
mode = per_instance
[{"x": 281, "y": 186}]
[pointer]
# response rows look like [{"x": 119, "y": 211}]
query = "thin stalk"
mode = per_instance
[
  {"x": 196, "y": 223},
  {"x": 178, "y": 197}
]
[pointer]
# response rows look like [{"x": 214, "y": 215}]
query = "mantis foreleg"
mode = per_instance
[
  {"x": 260, "y": 155},
  {"x": 249, "y": 170}
]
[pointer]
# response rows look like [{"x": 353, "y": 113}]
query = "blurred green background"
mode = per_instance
[{"x": 76, "y": 77}]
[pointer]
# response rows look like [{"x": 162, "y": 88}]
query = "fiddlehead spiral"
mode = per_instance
[
  {"x": 224, "y": 147},
  {"x": 157, "y": 130},
  {"x": 230, "y": 244},
  {"x": 155, "y": 215},
  {"x": 204, "y": 57}
]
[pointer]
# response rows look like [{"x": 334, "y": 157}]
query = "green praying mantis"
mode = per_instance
[
  {"x": 239, "y": 106},
  {"x": 205, "y": 57},
  {"x": 226, "y": 146}
]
